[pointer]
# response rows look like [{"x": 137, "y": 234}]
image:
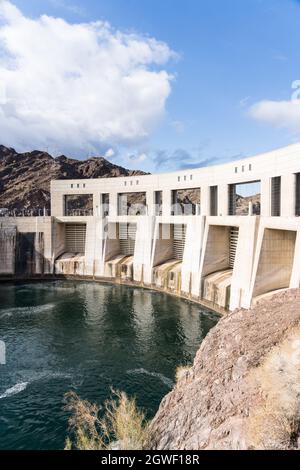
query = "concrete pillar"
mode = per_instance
[
  {"x": 166, "y": 202},
  {"x": 288, "y": 195},
  {"x": 266, "y": 197},
  {"x": 242, "y": 273},
  {"x": 143, "y": 250},
  {"x": 48, "y": 243},
  {"x": 96, "y": 204},
  {"x": 205, "y": 200},
  {"x": 150, "y": 201},
  {"x": 94, "y": 245},
  {"x": 113, "y": 204},
  {"x": 192, "y": 254},
  {"x": 223, "y": 200},
  {"x": 57, "y": 204}
]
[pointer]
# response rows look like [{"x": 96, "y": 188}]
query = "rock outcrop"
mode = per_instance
[
  {"x": 25, "y": 177},
  {"x": 243, "y": 391}
]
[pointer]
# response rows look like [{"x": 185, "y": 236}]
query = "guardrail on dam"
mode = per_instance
[{"x": 225, "y": 235}]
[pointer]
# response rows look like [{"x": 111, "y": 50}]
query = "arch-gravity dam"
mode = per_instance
[{"x": 224, "y": 235}]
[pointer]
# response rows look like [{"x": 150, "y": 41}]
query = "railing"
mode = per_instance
[
  {"x": 24, "y": 213},
  {"x": 79, "y": 213}
]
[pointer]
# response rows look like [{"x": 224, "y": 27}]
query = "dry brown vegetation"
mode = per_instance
[
  {"x": 181, "y": 372},
  {"x": 274, "y": 422},
  {"x": 121, "y": 427}
]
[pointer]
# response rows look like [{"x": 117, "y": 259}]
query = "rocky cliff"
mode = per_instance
[
  {"x": 243, "y": 391},
  {"x": 25, "y": 178}
]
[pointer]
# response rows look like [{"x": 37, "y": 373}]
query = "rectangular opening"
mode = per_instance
[
  {"x": 163, "y": 250},
  {"x": 25, "y": 251},
  {"x": 219, "y": 262},
  {"x": 214, "y": 201},
  {"x": 105, "y": 205},
  {"x": 132, "y": 204},
  {"x": 158, "y": 202},
  {"x": 127, "y": 235},
  {"x": 78, "y": 205},
  {"x": 75, "y": 236},
  {"x": 276, "y": 196},
  {"x": 245, "y": 198},
  {"x": 186, "y": 202},
  {"x": 233, "y": 242},
  {"x": 276, "y": 261},
  {"x": 179, "y": 235}
]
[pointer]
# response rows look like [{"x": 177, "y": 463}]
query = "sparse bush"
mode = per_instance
[
  {"x": 84, "y": 424},
  {"x": 181, "y": 372},
  {"x": 122, "y": 426},
  {"x": 274, "y": 422}
]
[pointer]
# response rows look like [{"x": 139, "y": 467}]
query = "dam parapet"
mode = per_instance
[{"x": 226, "y": 235}]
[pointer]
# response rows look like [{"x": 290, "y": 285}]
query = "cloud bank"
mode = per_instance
[
  {"x": 79, "y": 87},
  {"x": 281, "y": 114}
]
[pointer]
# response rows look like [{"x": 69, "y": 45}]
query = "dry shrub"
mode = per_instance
[
  {"x": 126, "y": 423},
  {"x": 269, "y": 428},
  {"x": 84, "y": 424},
  {"x": 275, "y": 422},
  {"x": 122, "y": 426},
  {"x": 182, "y": 372}
]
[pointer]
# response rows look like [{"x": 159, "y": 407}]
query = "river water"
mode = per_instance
[{"x": 87, "y": 337}]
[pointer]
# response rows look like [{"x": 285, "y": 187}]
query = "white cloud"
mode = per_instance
[
  {"x": 110, "y": 153},
  {"x": 281, "y": 114},
  {"x": 78, "y": 86}
]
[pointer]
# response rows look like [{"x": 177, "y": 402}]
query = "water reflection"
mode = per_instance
[{"x": 87, "y": 337}]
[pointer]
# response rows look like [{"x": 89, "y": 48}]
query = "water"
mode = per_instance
[{"x": 87, "y": 337}]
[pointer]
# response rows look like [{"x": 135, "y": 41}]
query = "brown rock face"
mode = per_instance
[
  {"x": 243, "y": 391},
  {"x": 25, "y": 178}
]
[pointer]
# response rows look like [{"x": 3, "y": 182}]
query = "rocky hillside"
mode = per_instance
[
  {"x": 25, "y": 178},
  {"x": 242, "y": 204},
  {"x": 243, "y": 391}
]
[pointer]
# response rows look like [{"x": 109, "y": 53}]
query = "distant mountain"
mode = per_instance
[
  {"x": 25, "y": 177},
  {"x": 242, "y": 204}
]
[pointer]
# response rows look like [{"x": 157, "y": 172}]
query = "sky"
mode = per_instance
[{"x": 156, "y": 85}]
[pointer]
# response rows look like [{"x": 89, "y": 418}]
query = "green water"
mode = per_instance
[{"x": 87, "y": 337}]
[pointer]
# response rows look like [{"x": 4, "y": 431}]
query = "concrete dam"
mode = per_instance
[{"x": 224, "y": 236}]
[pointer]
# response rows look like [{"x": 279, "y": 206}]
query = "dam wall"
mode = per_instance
[
  {"x": 225, "y": 235},
  {"x": 25, "y": 246},
  {"x": 8, "y": 237}
]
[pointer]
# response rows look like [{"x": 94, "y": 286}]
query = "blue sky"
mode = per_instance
[{"x": 232, "y": 55}]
